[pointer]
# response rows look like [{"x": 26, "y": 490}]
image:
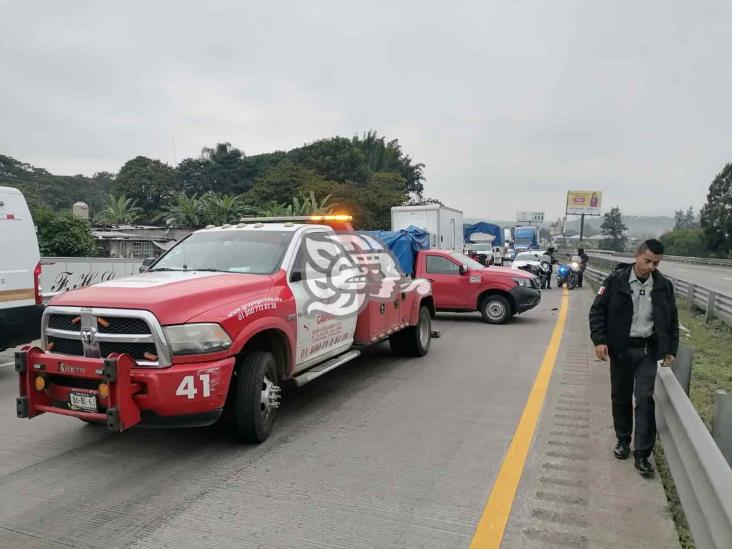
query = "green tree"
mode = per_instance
[
  {"x": 382, "y": 156},
  {"x": 716, "y": 215},
  {"x": 184, "y": 211},
  {"x": 685, "y": 242},
  {"x": 303, "y": 205},
  {"x": 226, "y": 208},
  {"x": 120, "y": 210},
  {"x": 284, "y": 181},
  {"x": 685, "y": 219},
  {"x": 148, "y": 182},
  {"x": 614, "y": 229},
  {"x": 63, "y": 235}
]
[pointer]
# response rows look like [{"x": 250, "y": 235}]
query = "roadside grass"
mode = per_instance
[
  {"x": 711, "y": 370},
  {"x": 712, "y": 367}
]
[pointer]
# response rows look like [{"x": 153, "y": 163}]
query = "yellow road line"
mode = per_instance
[{"x": 492, "y": 524}]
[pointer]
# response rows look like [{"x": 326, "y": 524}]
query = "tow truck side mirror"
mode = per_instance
[
  {"x": 463, "y": 270},
  {"x": 146, "y": 264}
]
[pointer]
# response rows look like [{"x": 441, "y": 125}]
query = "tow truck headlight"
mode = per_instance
[
  {"x": 196, "y": 339},
  {"x": 524, "y": 282}
]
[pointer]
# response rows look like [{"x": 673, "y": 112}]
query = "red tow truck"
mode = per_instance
[{"x": 218, "y": 323}]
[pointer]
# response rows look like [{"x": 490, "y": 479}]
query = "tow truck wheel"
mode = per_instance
[
  {"x": 415, "y": 340},
  {"x": 495, "y": 309},
  {"x": 256, "y": 397}
]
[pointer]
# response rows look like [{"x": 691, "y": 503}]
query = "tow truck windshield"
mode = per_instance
[{"x": 234, "y": 251}]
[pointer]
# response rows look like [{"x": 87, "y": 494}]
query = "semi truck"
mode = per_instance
[
  {"x": 526, "y": 238},
  {"x": 444, "y": 225}
]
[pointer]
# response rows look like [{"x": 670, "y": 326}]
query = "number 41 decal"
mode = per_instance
[{"x": 187, "y": 387}]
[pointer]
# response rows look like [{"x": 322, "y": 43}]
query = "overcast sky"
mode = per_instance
[{"x": 508, "y": 103}]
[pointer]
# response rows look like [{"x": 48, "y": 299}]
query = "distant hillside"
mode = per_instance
[
  {"x": 57, "y": 191},
  {"x": 638, "y": 226}
]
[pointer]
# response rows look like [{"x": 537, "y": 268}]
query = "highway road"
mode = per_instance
[
  {"x": 382, "y": 452},
  {"x": 718, "y": 279}
]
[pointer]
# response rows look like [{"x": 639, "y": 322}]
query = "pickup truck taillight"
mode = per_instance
[{"x": 37, "y": 283}]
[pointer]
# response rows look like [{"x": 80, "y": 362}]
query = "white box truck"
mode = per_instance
[{"x": 444, "y": 224}]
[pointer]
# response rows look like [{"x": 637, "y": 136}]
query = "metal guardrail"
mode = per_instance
[
  {"x": 702, "y": 476},
  {"x": 700, "y": 471},
  {"x": 715, "y": 304},
  {"x": 675, "y": 258}
]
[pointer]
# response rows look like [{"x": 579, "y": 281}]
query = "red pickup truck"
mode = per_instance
[
  {"x": 218, "y": 323},
  {"x": 461, "y": 284}
]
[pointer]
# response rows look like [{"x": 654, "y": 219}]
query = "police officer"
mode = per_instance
[
  {"x": 634, "y": 322},
  {"x": 550, "y": 260},
  {"x": 584, "y": 260}
]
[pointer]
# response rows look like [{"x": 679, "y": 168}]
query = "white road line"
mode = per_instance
[
  {"x": 7, "y": 364},
  {"x": 727, "y": 278}
]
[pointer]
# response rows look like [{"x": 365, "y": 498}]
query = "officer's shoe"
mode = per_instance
[
  {"x": 622, "y": 450},
  {"x": 643, "y": 466}
]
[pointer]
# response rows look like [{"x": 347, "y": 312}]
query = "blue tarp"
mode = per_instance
[
  {"x": 483, "y": 227},
  {"x": 404, "y": 244}
]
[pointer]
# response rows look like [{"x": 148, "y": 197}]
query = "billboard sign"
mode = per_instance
[
  {"x": 530, "y": 217},
  {"x": 584, "y": 202}
]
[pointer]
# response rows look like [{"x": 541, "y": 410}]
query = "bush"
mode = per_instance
[
  {"x": 685, "y": 242},
  {"x": 63, "y": 235}
]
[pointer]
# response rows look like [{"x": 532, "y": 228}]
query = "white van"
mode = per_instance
[{"x": 21, "y": 302}]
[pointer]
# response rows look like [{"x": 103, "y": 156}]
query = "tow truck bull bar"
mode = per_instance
[{"x": 48, "y": 381}]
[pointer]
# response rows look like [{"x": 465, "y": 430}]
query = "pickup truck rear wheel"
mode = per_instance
[
  {"x": 495, "y": 309},
  {"x": 256, "y": 397},
  {"x": 415, "y": 340}
]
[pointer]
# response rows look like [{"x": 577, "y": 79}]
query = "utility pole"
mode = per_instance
[{"x": 582, "y": 229}]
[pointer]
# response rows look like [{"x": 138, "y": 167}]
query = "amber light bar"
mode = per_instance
[{"x": 297, "y": 219}]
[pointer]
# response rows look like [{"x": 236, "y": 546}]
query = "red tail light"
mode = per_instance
[{"x": 37, "y": 283}]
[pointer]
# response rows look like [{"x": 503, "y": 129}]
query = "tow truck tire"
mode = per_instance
[
  {"x": 495, "y": 309},
  {"x": 415, "y": 340},
  {"x": 253, "y": 380}
]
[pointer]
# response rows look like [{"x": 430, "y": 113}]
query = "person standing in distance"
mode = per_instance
[
  {"x": 634, "y": 322},
  {"x": 549, "y": 259},
  {"x": 584, "y": 260}
]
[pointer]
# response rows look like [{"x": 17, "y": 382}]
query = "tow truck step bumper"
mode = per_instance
[{"x": 35, "y": 368}]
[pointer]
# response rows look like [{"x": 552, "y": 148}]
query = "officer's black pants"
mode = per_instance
[
  {"x": 580, "y": 277},
  {"x": 635, "y": 368}
]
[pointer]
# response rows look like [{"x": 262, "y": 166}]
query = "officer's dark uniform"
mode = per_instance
[
  {"x": 583, "y": 265},
  {"x": 623, "y": 304}
]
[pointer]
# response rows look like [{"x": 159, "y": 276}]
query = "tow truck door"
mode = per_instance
[{"x": 319, "y": 335}]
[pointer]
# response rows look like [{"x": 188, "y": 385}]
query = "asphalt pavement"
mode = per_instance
[
  {"x": 383, "y": 452},
  {"x": 718, "y": 279}
]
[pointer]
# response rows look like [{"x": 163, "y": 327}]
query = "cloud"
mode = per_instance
[{"x": 507, "y": 104}]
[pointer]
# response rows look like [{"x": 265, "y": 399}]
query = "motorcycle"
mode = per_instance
[{"x": 568, "y": 273}]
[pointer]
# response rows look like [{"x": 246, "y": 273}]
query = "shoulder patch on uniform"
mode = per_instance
[{"x": 601, "y": 291}]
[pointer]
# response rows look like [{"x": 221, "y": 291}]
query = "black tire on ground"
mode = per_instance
[
  {"x": 559, "y": 283},
  {"x": 415, "y": 340},
  {"x": 253, "y": 381},
  {"x": 572, "y": 282},
  {"x": 495, "y": 309}
]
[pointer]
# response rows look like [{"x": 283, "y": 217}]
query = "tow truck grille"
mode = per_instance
[
  {"x": 135, "y": 350},
  {"x": 123, "y": 325},
  {"x": 64, "y": 322},
  {"x": 64, "y": 346},
  {"x": 97, "y": 333}
]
